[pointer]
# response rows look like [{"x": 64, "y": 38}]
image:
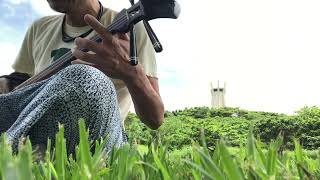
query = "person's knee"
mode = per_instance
[
  {"x": 80, "y": 74},
  {"x": 86, "y": 79},
  {"x": 80, "y": 71}
]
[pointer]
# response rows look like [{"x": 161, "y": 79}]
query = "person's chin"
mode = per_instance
[
  {"x": 60, "y": 10},
  {"x": 58, "y": 7}
]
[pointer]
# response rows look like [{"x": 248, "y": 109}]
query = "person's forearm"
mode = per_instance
[{"x": 147, "y": 101}]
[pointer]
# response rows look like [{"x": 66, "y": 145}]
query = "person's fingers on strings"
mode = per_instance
[
  {"x": 92, "y": 58},
  {"x": 82, "y": 43},
  {"x": 106, "y": 36},
  {"x": 98, "y": 27},
  {"x": 86, "y": 56},
  {"x": 123, "y": 36},
  {"x": 123, "y": 40},
  {"x": 79, "y": 61}
]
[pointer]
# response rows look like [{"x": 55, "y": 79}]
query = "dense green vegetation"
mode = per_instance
[
  {"x": 231, "y": 124},
  {"x": 197, "y": 143}
]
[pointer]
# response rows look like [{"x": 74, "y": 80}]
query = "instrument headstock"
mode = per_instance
[
  {"x": 154, "y": 9},
  {"x": 144, "y": 10}
]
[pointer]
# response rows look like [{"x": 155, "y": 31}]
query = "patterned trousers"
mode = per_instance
[{"x": 78, "y": 91}]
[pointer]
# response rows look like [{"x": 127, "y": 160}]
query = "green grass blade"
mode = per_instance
[
  {"x": 47, "y": 159},
  {"x": 271, "y": 161},
  {"x": 84, "y": 149},
  {"x": 299, "y": 158},
  {"x": 232, "y": 170},
  {"x": 199, "y": 168},
  {"x": 209, "y": 165},
  {"x": 261, "y": 155},
  {"x": 25, "y": 161},
  {"x": 53, "y": 170},
  {"x": 251, "y": 148},
  {"x": 162, "y": 168},
  {"x": 60, "y": 154}
]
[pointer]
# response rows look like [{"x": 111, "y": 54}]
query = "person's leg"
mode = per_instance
[
  {"x": 13, "y": 103},
  {"x": 78, "y": 91}
]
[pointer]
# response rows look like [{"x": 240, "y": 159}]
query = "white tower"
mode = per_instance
[{"x": 217, "y": 96}]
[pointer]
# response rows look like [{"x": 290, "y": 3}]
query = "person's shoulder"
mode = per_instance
[
  {"x": 108, "y": 16},
  {"x": 111, "y": 12},
  {"x": 47, "y": 21}
]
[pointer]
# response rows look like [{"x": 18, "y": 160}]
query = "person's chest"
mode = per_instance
[{"x": 49, "y": 47}]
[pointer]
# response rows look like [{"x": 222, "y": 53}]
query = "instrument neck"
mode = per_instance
[{"x": 66, "y": 59}]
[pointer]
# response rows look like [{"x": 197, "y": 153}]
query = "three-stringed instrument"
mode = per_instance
[{"x": 145, "y": 10}]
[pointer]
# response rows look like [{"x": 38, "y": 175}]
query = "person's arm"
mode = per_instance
[
  {"x": 23, "y": 65},
  {"x": 146, "y": 98},
  {"x": 111, "y": 57}
]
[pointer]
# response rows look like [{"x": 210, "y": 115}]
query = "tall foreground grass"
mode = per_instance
[{"x": 254, "y": 161}]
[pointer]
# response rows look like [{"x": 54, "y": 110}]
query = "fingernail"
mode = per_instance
[{"x": 76, "y": 40}]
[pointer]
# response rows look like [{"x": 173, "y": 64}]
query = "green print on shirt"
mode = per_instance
[{"x": 57, "y": 53}]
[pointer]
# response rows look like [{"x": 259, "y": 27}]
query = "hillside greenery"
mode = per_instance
[{"x": 232, "y": 124}]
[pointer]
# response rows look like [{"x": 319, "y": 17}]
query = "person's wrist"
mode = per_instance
[{"x": 134, "y": 76}]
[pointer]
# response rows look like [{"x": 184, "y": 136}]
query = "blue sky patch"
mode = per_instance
[{"x": 15, "y": 20}]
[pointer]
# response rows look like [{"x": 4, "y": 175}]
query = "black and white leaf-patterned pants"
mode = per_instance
[{"x": 78, "y": 91}]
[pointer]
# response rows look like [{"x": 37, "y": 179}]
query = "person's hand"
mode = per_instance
[
  {"x": 4, "y": 86},
  {"x": 111, "y": 56}
]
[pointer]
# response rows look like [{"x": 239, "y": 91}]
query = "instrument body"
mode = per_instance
[{"x": 123, "y": 23}]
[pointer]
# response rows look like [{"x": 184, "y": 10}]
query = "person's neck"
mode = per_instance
[{"x": 76, "y": 16}]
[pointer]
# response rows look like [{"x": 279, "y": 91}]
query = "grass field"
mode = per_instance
[{"x": 254, "y": 160}]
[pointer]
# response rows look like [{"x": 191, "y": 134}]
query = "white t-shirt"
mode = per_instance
[{"x": 43, "y": 44}]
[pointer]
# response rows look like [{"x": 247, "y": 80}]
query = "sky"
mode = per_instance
[{"x": 267, "y": 52}]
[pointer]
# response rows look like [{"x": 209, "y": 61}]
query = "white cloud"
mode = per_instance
[
  {"x": 8, "y": 54},
  {"x": 10, "y": 9},
  {"x": 16, "y": 2}
]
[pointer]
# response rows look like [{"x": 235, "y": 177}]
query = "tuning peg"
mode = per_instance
[
  {"x": 155, "y": 41},
  {"x": 133, "y": 46}
]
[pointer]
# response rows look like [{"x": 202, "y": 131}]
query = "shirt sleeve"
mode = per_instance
[
  {"x": 24, "y": 62},
  {"x": 146, "y": 53}
]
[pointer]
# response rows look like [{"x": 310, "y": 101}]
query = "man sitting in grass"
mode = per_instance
[{"x": 98, "y": 87}]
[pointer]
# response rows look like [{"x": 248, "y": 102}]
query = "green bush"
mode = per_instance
[
  {"x": 269, "y": 129},
  {"x": 232, "y": 124}
]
